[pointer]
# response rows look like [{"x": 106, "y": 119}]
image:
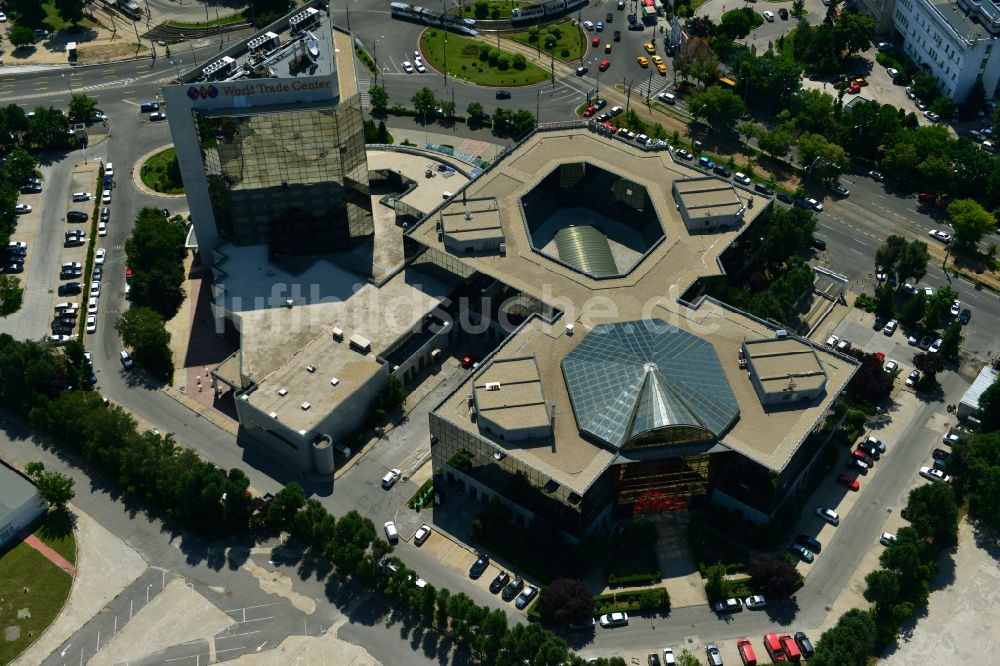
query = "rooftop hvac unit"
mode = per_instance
[
  {"x": 492, "y": 386},
  {"x": 310, "y": 368},
  {"x": 282, "y": 392},
  {"x": 274, "y": 415},
  {"x": 304, "y": 19},
  {"x": 781, "y": 333},
  {"x": 219, "y": 69},
  {"x": 569, "y": 329},
  {"x": 338, "y": 334},
  {"x": 305, "y": 406},
  {"x": 289, "y": 302},
  {"x": 267, "y": 41},
  {"x": 361, "y": 343},
  {"x": 503, "y": 249},
  {"x": 334, "y": 381}
]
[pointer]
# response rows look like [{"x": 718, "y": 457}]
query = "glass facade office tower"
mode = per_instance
[{"x": 294, "y": 178}]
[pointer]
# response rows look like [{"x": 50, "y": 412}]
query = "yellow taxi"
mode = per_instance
[
  {"x": 643, "y": 61},
  {"x": 662, "y": 69},
  {"x": 650, "y": 47},
  {"x": 607, "y": 47}
]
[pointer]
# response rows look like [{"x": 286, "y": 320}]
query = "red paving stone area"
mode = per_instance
[
  {"x": 50, "y": 554},
  {"x": 205, "y": 350}
]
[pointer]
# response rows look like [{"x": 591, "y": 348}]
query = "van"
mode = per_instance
[
  {"x": 791, "y": 649},
  {"x": 126, "y": 360},
  {"x": 390, "y": 532},
  {"x": 446, "y": 195},
  {"x": 148, "y": 107},
  {"x": 773, "y": 647},
  {"x": 67, "y": 306},
  {"x": 746, "y": 652},
  {"x": 77, "y": 216}
]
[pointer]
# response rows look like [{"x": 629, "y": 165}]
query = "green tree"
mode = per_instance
[
  {"x": 900, "y": 160},
  {"x": 48, "y": 128},
  {"x": 975, "y": 467},
  {"x": 913, "y": 309},
  {"x": 989, "y": 408},
  {"x": 19, "y": 166},
  {"x": 286, "y": 503},
  {"x": 143, "y": 330},
  {"x": 847, "y": 643},
  {"x": 776, "y": 142},
  {"x": 913, "y": 261},
  {"x": 379, "y": 99},
  {"x": 939, "y": 306},
  {"x": 789, "y": 232},
  {"x": 11, "y": 293},
  {"x": 685, "y": 658},
  {"x": 70, "y": 10},
  {"x": 814, "y": 111},
  {"x": 702, "y": 66},
  {"x": 884, "y": 301},
  {"x": 719, "y": 106},
  {"x": 475, "y": 111},
  {"x": 20, "y": 36},
  {"x": 882, "y": 587},
  {"x": 265, "y": 12},
  {"x": 566, "y": 601},
  {"x": 716, "y": 585},
  {"x": 853, "y": 31},
  {"x": 774, "y": 576},
  {"x": 737, "y": 23},
  {"x": 824, "y": 160},
  {"x": 522, "y": 122},
  {"x": 933, "y": 513},
  {"x": 797, "y": 7},
  {"x": 951, "y": 340},
  {"x": 424, "y": 102},
  {"x": 441, "y": 613},
  {"x": 970, "y": 220},
  {"x": 54, "y": 487},
  {"x": 155, "y": 252}
]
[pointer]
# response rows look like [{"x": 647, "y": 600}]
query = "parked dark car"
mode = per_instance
[
  {"x": 479, "y": 566},
  {"x": 722, "y": 171},
  {"x": 940, "y": 454},
  {"x": 819, "y": 243},
  {"x": 498, "y": 583},
  {"x": 805, "y": 645},
  {"x": 77, "y": 216},
  {"x": 809, "y": 542},
  {"x": 783, "y": 13},
  {"x": 784, "y": 197},
  {"x": 525, "y": 597},
  {"x": 513, "y": 589},
  {"x": 763, "y": 189},
  {"x": 70, "y": 289}
]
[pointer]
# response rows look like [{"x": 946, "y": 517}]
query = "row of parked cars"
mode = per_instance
[
  {"x": 779, "y": 647},
  {"x": 509, "y": 589}
]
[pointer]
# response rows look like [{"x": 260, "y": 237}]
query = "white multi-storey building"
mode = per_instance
[{"x": 955, "y": 41}]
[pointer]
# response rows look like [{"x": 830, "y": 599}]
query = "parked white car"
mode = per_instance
[{"x": 99, "y": 256}]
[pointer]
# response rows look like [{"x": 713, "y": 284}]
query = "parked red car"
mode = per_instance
[
  {"x": 849, "y": 481},
  {"x": 863, "y": 457}
]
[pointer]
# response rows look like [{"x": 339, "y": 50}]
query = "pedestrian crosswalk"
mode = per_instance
[
  {"x": 364, "y": 86},
  {"x": 649, "y": 88}
]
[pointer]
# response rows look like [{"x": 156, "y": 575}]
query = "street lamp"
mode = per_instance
[{"x": 191, "y": 44}]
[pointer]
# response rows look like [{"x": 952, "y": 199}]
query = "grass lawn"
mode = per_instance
[
  {"x": 222, "y": 20},
  {"x": 48, "y": 586},
  {"x": 562, "y": 39},
  {"x": 155, "y": 173},
  {"x": 56, "y": 530},
  {"x": 501, "y": 7},
  {"x": 463, "y": 61}
]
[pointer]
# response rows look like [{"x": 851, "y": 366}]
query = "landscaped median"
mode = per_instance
[
  {"x": 161, "y": 173},
  {"x": 477, "y": 62}
]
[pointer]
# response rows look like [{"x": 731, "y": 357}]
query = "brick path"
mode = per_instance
[{"x": 50, "y": 554}]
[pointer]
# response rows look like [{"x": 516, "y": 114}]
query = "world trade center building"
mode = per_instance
[{"x": 270, "y": 139}]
